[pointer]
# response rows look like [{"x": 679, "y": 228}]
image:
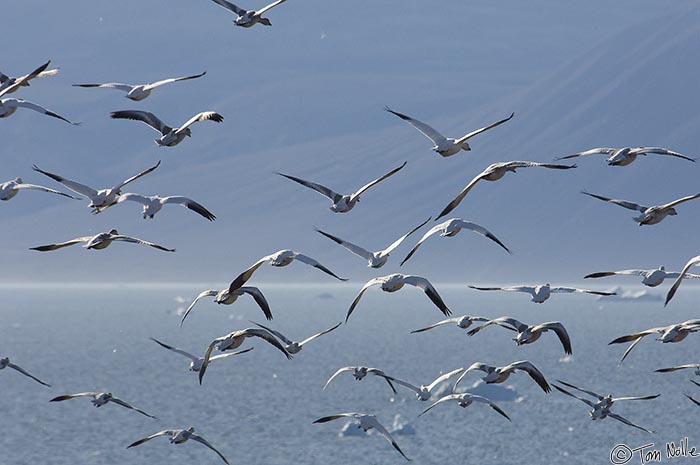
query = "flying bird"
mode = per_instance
[
  {"x": 651, "y": 278},
  {"x": 445, "y": 146},
  {"x": 671, "y": 333},
  {"x": 650, "y": 215},
  {"x": 450, "y": 228},
  {"x": 494, "y": 172},
  {"x": 9, "y": 189},
  {"x": 394, "y": 282},
  {"x": 179, "y": 436},
  {"x": 679, "y": 279},
  {"x": 342, "y": 203},
  {"x": 100, "y": 241},
  {"x": 99, "y": 199},
  {"x": 280, "y": 258},
  {"x": 197, "y": 362},
  {"x": 359, "y": 373},
  {"x": 366, "y": 422},
  {"x": 153, "y": 204},
  {"x": 100, "y": 399},
  {"x": 541, "y": 293},
  {"x": 234, "y": 340},
  {"x": 139, "y": 91},
  {"x": 170, "y": 136},
  {"x": 424, "y": 392},
  {"x": 527, "y": 334},
  {"x": 374, "y": 259},
  {"x": 248, "y": 18},
  {"x": 463, "y": 322},
  {"x": 225, "y": 297},
  {"x": 601, "y": 408},
  {"x": 465, "y": 400},
  {"x": 496, "y": 374},
  {"x": 5, "y": 362},
  {"x": 6, "y": 81},
  {"x": 625, "y": 155},
  {"x": 294, "y": 347}
]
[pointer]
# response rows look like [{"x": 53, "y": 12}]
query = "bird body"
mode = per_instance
[
  {"x": 527, "y": 334},
  {"x": 227, "y": 297},
  {"x": 625, "y": 155},
  {"x": 248, "y": 18},
  {"x": 541, "y": 293},
  {"x": 170, "y": 136},
  {"x": 100, "y": 241},
  {"x": 139, "y": 92}
]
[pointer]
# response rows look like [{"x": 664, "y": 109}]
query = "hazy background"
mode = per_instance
[{"x": 305, "y": 97}]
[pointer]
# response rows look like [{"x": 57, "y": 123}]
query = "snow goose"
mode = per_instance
[
  {"x": 625, "y": 155},
  {"x": 6, "y": 81},
  {"x": 496, "y": 374},
  {"x": 170, "y": 136},
  {"x": 139, "y": 91},
  {"x": 494, "y": 172},
  {"x": 359, "y": 373},
  {"x": 294, "y": 347},
  {"x": 465, "y": 400},
  {"x": 99, "y": 399},
  {"x": 99, "y": 199},
  {"x": 394, "y": 282},
  {"x": 179, "y": 436},
  {"x": 5, "y": 363},
  {"x": 197, "y": 362},
  {"x": 679, "y": 279},
  {"x": 445, "y": 146},
  {"x": 366, "y": 422},
  {"x": 527, "y": 334},
  {"x": 424, "y": 392},
  {"x": 100, "y": 241},
  {"x": 9, "y": 189},
  {"x": 279, "y": 258},
  {"x": 248, "y": 18},
  {"x": 374, "y": 259},
  {"x": 671, "y": 333},
  {"x": 342, "y": 203},
  {"x": 234, "y": 340},
  {"x": 462, "y": 322},
  {"x": 225, "y": 297},
  {"x": 651, "y": 278},
  {"x": 650, "y": 215},
  {"x": 541, "y": 293},
  {"x": 152, "y": 204},
  {"x": 450, "y": 228}
]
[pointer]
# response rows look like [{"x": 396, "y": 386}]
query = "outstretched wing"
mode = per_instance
[
  {"x": 559, "y": 330},
  {"x": 202, "y": 116},
  {"x": 165, "y": 432},
  {"x": 153, "y": 85},
  {"x": 442, "y": 378},
  {"x": 45, "y": 189},
  {"x": 564, "y": 391},
  {"x": 11, "y": 102},
  {"x": 679, "y": 279},
  {"x": 398, "y": 241},
  {"x": 279, "y": 335},
  {"x": 429, "y": 290},
  {"x": 311, "y": 338},
  {"x": 242, "y": 278},
  {"x": 430, "y": 232},
  {"x": 439, "y": 323},
  {"x": 129, "y": 406},
  {"x": 376, "y": 181},
  {"x": 25, "y": 373},
  {"x": 231, "y": 7},
  {"x": 585, "y": 391},
  {"x": 367, "y": 285},
  {"x": 601, "y": 150},
  {"x": 426, "y": 130},
  {"x": 201, "y": 440},
  {"x": 679, "y": 367},
  {"x": 339, "y": 371},
  {"x": 310, "y": 261},
  {"x": 259, "y": 298},
  {"x": 203, "y": 294},
  {"x": 134, "y": 178},
  {"x": 681, "y": 200},
  {"x": 109, "y": 85},
  {"x": 485, "y": 128},
  {"x": 662, "y": 151},
  {"x": 603, "y": 274},
  {"x": 194, "y": 358},
  {"x": 381, "y": 430},
  {"x": 73, "y": 396},
  {"x": 477, "y": 228},
  {"x": 24, "y": 79},
  {"x": 568, "y": 290},
  {"x": 189, "y": 203},
  {"x": 356, "y": 249},
  {"x": 135, "y": 240},
  {"x": 77, "y": 240},
  {"x": 266, "y": 336},
  {"x": 457, "y": 200},
  {"x": 534, "y": 373},
  {"x": 503, "y": 321},
  {"x": 622, "y": 203},
  {"x": 323, "y": 190},
  {"x": 145, "y": 117},
  {"x": 627, "y": 422},
  {"x": 271, "y": 5},
  {"x": 72, "y": 185}
]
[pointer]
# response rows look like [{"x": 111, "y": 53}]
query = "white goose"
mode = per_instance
[
  {"x": 650, "y": 215},
  {"x": 100, "y": 241},
  {"x": 224, "y": 297},
  {"x": 234, "y": 340},
  {"x": 424, "y": 392},
  {"x": 294, "y": 347},
  {"x": 465, "y": 400},
  {"x": 197, "y": 362},
  {"x": 450, "y": 228},
  {"x": 496, "y": 374},
  {"x": 527, "y": 334},
  {"x": 374, "y": 259},
  {"x": 248, "y": 18},
  {"x": 342, "y": 203},
  {"x": 99, "y": 199},
  {"x": 179, "y": 436},
  {"x": 679, "y": 279},
  {"x": 445, "y": 146},
  {"x": 651, "y": 278},
  {"x": 279, "y": 258},
  {"x": 152, "y": 204},
  {"x": 359, "y": 373},
  {"x": 366, "y": 422},
  {"x": 625, "y": 155},
  {"x": 671, "y": 333},
  {"x": 463, "y": 322},
  {"x": 5, "y": 363},
  {"x": 170, "y": 137},
  {"x": 99, "y": 399},
  {"x": 394, "y": 282},
  {"x": 541, "y": 293},
  {"x": 6, "y": 81},
  {"x": 9, "y": 189},
  {"x": 494, "y": 172},
  {"x": 139, "y": 91}
]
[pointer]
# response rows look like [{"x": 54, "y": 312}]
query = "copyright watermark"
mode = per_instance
[{"x": 622, "y": 454}]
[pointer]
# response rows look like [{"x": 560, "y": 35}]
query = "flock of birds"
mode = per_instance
[{"x": 230, "y": 344}]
